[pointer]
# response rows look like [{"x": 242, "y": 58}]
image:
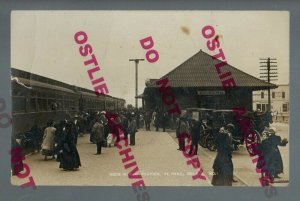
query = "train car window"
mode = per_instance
[
  {"x": 69, "y": 105},
  {"x": 42, "y": 95},
  {"x": 51, "y": 95},
  {"x": 42, "y": 104},
  {"x": 72, "y": 104},
  {"x": 59, "y": 96},
  {"x": 18, "y": 92},
  {"x": 65, "y": 104},
  {"x": 32, "y": 104},
  {"x": 89, "y": 103},
  {"x": 40, "y": 79},
  {"x": 32, "y": 93},
  {"x": 18, "y": 103},
  {"x": 59, "y": 104},
  {"x": 52, "y": 105}
]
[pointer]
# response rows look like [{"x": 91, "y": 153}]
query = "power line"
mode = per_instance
[{"x": 268, "y": 74}]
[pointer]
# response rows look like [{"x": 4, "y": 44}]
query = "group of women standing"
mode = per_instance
[
  {"x": 61, "y": 141},
  {"x": 268, "y": 148}
]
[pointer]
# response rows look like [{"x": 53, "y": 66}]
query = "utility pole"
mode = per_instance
[
  {"x": 268, "y": 73},
  {"x": 136, "y": 79}
]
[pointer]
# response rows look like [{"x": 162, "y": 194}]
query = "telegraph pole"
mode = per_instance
[
  {"x": 136, "y": 79},
  {"x": 269, "y": 73}
]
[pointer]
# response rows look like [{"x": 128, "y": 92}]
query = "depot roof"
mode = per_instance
[{"x": 200, "y": 71}]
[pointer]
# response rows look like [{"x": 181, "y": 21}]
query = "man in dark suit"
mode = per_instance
[
  {"x": 124, "y": 121},
  {"x": 98, "y": 131},
  {"x": 195, "y": 134},
  {"x": 132, "y": 130},
  {"x": 75, "y": 128},
  {"x": 148, "y": 120}
]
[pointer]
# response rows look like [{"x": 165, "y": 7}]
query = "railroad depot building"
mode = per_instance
[{"x": 195, "y": 83}]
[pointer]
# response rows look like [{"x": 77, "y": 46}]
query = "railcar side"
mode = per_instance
[
  {"x": 36, "y": 103},
  {"x": 37, "y": 99}
]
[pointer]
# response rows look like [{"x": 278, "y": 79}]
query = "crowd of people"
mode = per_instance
[
  {"x": 59, "y": 140},
  {"x": 224, "y": 139}
]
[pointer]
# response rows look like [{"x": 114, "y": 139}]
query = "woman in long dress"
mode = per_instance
[
  {"x": 59, "y": 138},
  {"x": 223, "y": 166},
  {"x": 69, "y": 157},
  {"x": 48, "y": 140},
  {"x": 272, "y": 154}
]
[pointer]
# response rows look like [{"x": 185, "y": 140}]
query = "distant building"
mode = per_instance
[
  {"x": 196, "y": 83},
  {"x": 279, "y": 102}
]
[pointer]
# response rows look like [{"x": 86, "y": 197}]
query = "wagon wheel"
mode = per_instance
[
  {"x": 202, "y": 138},
  {"x": 252, "y": 140},
  {"x": 210, "y": 142}
]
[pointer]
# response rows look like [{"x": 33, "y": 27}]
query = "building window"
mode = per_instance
[
  {"x": 273, "y": 94},
  {"x": 262, "y": 94},
  {"x": 283, "y": 94},
  {"x": 258, "y": 106},
  {"x": 285, "y": 107}
]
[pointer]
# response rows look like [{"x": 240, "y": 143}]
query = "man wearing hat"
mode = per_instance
[
  {"x": 104, "y": 121},
  {"x": 195, "y": 134},
  {"x": 98, "y": 134},
  {"x": 76, "y": 127},
  {"x": 132, "y": 129}
]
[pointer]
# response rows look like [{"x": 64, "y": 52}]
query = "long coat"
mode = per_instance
[
  {"x": 69, "y": 157},
  {"x": 48, "y": 142},
  {"x": 104, "y": 121},
  {"x": 60, "y": 135},
  {"x": 132, "y": 126},
  {"x": 76, "y": 127},
  {"x": 124, "y": 124},
  {"x": 272, "y": 154},
  {"x": 195, "y": 130},
  {"x": 223, "y": 166},
  {"x": 98, "y": 132}
]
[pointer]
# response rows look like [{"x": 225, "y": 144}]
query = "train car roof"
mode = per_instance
[
  {"x": 32, "y": 83},
  {"x": 32, "y": 79},
  {"x": 92, "y": 94}
]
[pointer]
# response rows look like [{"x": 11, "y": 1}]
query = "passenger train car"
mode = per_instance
[{"x": 36, "y": 99}]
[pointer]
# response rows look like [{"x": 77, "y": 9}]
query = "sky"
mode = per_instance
[{"x": 42, "y": 42}]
